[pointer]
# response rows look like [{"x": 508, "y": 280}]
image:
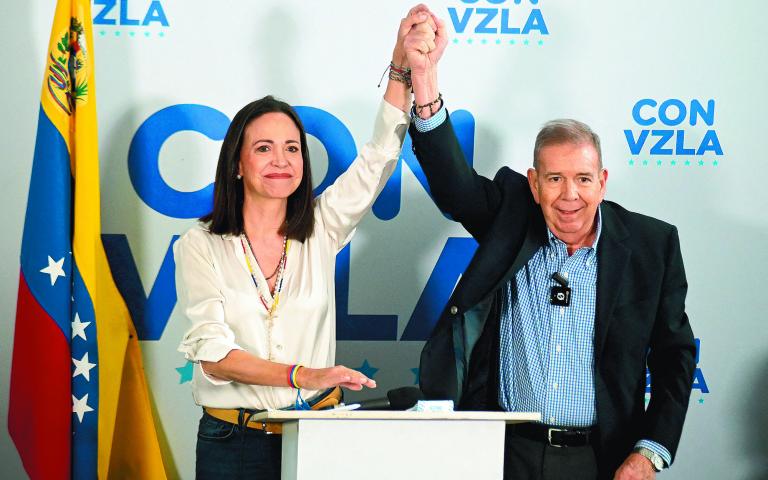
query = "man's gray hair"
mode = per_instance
[{"x": 566, "y": 130}]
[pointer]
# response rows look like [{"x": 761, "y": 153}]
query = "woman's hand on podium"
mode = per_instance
[{"x": 341, "y": 376}]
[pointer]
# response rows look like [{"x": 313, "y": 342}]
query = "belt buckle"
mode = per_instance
[
  {"x": 264, "y": 424},
  {"x": 549, "y": 437},
  {"x": 264, "y": 427}
]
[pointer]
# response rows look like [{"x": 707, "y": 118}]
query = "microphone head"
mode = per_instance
[{"x": 404, "y": 398}]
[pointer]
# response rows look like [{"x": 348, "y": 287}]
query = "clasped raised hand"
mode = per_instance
[
  {"x": 419, "y": 14},
  {"x": 424, "y": 42}
]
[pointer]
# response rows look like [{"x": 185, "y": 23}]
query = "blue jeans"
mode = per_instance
[{"x": 229, "y": 452}]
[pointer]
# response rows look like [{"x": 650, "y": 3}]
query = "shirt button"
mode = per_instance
[
  {"x": 551, "y": 420},
  {"x": 562, "y": 310},
  {"x": 558, "y": 348},
  {"x": 554, "y": 386},
  {"x": 565, "y": 274},
  {"x": 279, "y": 347},
  {"x": 454, "y": 310}
]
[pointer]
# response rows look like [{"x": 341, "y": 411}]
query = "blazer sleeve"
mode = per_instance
[
  {"x": 457, "y": 189},
  {"x": 671, "y": 359}
]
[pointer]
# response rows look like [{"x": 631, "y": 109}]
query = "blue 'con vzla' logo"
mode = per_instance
[
  {"x": 674, "y": 132},
  {"x": 133, "y": 13},
  {"x": 498, "y": 17}
]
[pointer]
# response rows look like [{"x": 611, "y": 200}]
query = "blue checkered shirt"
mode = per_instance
[
  {"x": 546, "y": 362},
  {"x": 547, "y": 351}
]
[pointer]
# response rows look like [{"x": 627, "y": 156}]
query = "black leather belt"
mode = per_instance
[{"x": 554, "y": 436}]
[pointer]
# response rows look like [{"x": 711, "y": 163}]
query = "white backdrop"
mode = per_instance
[{"x": 593, "y": 61}]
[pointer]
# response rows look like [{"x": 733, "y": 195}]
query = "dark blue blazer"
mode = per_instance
[{"x": 640, "y": 318}]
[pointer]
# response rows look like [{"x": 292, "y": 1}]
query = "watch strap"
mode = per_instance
[{"x": 656, "y": 461}]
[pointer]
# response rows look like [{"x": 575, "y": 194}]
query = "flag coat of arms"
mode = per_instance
[{"x": 79, "y": 405}]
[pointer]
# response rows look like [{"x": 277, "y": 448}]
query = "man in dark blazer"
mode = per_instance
[{"x": 499, "y": 342}]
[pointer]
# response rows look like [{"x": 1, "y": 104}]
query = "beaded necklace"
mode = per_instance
[{"x": 280, "y": 273}]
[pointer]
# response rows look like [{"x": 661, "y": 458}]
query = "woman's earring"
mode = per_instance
[{"x": 239, "y": 177}]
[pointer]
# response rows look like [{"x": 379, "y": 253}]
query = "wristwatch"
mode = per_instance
[{"x": 656, "y": 461}]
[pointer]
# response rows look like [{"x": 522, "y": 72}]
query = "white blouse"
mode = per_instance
[{"x": 216, "y": 292}]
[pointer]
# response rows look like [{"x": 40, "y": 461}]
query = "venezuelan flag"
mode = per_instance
[{"x": 76, "y": 356}]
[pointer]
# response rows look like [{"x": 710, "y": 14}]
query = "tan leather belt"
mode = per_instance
[{"x": 232, "y": 415}]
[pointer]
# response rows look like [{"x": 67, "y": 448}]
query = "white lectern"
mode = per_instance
[{"x": 375, "y": 445}]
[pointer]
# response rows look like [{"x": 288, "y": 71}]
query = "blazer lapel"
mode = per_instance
[
  {"x": 613, "y": 258},
  {"x": 497, "y": 262},
  {"x": 535, "y": 237}
]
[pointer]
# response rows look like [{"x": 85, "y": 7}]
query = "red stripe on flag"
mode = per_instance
[{"x": 40, "y": 407}]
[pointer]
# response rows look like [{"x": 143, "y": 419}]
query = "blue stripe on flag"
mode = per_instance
[
  {"x": 47, "y": 228},
  {"x": 85, "y": 432}
]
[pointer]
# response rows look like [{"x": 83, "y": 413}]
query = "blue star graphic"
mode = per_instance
[
  {"x": 701, "y": 400},
  {"x": 483, "y": 41},
  {"x": 631, "y": 162},
  {"x": 185, "y": 372},
  {"x": 541, "y": 42},
  {"x": 526, "y": 42},
  {"x": 673, "y": 163},
  {"x": 366, "y": 369},
  {"x": 455, "y": 40},
  {"x": 701, "y": 163},
  {"x": 415, "y": 372},
  {"x": 714, "y": 164},
  {"x": 498, "y": 41},
  {"x": 687, "y": 162},
  {"x": 658, "y": 163},
  {"x": 645, "y": 162}
]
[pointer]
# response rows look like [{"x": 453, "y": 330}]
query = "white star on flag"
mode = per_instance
[
  {"x": 80, "y": 406},
  {"x": 78, "y": 327},
  {"x": 83, "y": 367},
  {"x": 55, "y": 269}
]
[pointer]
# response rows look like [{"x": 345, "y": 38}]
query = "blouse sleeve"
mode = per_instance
[
  {"x": 199, "y": 296},
  {"x": 344, "y": 203}
]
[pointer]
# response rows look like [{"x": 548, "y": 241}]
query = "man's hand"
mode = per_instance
[
  {"x": 424, "y": 45},
  {"x": 418, "y": 14},
  {"x": 635, "y": 467},
  {"x": 398, "y": 91}
]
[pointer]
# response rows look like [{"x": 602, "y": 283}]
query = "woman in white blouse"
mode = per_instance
[{"x": 256, "y": 278}]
